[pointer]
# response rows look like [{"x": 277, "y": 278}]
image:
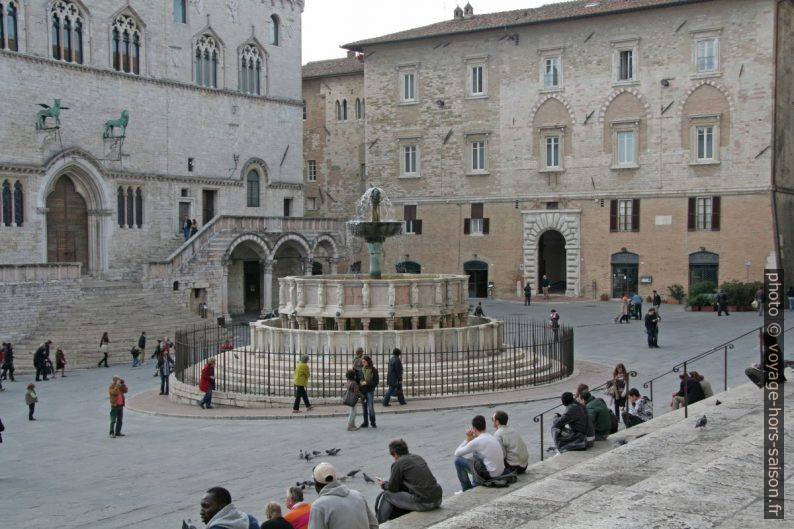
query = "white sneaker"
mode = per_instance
[{"x": 458, "y": 492}]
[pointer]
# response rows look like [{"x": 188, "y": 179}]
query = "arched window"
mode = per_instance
[
  {"x": 338, "y": 110},
  {"x": 344, "y": 110},
  {"x": 253, "y": 189},
  {"x": 358, "y": 108},
  {"x": 18, "y": 217},
  {"x": 126, "y": 45},
  {"x": 138, "y": 207},
  {"x": 130, "y": 208},
  {"x": 8, "y": 26},
  {"x": 250, "y": 70},
  {"x": 120, "y": 206},
  {"x": 66, "y": 31},
  {"x": 6, "y": 203},
  {"x": 206, "y": 65},
  {"x": 273, "y": 29}
]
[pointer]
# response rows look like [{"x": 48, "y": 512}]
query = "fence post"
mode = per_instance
[
  {"x": 541, "y": 437},
  {"x": 725, "y": 368},
  {"x": 651, "y": 384},
  {"x": 686, "y": 394}
]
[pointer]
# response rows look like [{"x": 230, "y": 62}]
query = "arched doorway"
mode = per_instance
[
  {"x": 625, "y": 273},
  {"x": 552, "y": 260},
  {"x": 244, "y": 287},
  {"x": 290, "y": 259},
  {"x": 67, "y": 225},
  {"x": 408, "y": 267},
  {"x": 704, "y": 267},
  {"x": 478, "y": 278}
]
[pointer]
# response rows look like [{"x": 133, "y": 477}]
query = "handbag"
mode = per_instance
[
  {"x": 754, "y": 304},
  {"x": 350, "y": 398}
]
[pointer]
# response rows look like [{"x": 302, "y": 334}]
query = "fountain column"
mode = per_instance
[{"x": 374, "y": 245}]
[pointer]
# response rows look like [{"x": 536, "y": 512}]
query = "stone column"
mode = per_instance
[
  {"x": 333, "y": 265},
  {"x": 365, "y": 324},
  {"x": 225, "y": 290},
  {"x": 307, "y": 266},
  {"x": 340, "y": 324},
  {"x": 414, "y": 323},
  {"x": 320, "y": 323},
  {"x": 435, "y": 321},
  {"x": 302, "y": 322},
  {"x": 390, "y": 323},
  {"x": 267, "y": 287}
]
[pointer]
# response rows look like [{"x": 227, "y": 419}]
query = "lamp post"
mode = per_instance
[{"x": 747, "y": 264}]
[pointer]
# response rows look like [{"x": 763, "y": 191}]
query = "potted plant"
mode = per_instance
[
  {"x": 605, "y": 297},
  {"x": 677, "y": 294},
  {"x": 702, "y": 296}
]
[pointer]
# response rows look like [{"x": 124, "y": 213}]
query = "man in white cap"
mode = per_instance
[{"x": 337, "y": 506}]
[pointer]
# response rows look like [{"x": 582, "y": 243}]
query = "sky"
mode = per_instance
[{"x": 327, "y": 24}]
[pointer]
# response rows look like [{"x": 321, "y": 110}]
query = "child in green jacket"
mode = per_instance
[{"x": 301, "y": 380}]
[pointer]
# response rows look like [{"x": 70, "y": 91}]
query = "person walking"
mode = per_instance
[
  {"x": 60, "y": 362},
  {"x": 31, "y": 399},
  {"x": 207, "y": 384},
  {"x": 38, "y": 363},
  {"x": 545, "y": 284},
  {"x": 369, "y": 381},
  {"x": 193, "y": 227},
  {"x": 116, "y": 392},
  {"x": 554, "y": 324},
  {"x": 352, "y": 395},
  {"x": 158, "y": 351},
  {"x": 8, "y": 362},
  {"x": 142, "y": 347},
  {"x": 527, "y": 294},
  {"x": 636, "y": 300},
  {"x": 186, "y": 227},
  {"x": 164, "y": 363},
  {"x": 394, "y": 379},
  {"x": 301, "y": 379},
  {"x": 656, "y": 301},
  {"x": 652, "y": 328},
  {"x": 103, "y": 348},
  {"x": 623, "y": 315},
  {"x": 618, "y": 388},
  {"x": 722, "y": 303},
  {"x": 760, "y": 299}
]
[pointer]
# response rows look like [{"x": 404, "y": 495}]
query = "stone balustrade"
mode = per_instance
[{"x": 36, "y": 273}]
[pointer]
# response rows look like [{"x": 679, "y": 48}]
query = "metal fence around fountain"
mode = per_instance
[{"x": 533, "y": 354}]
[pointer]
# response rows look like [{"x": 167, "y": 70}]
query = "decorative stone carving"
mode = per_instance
[
  {"x": 301, "y": 298},
  {"x": 391, "y": 296},
  {"x": 340, "y": 296},
  {"x": 365, "y": 295},
  {"x": 321, "y": 296},
  {"x": 439, "y": 294},
  {"x": 231, "y": 8},
  {"x": 414, "y": 294},
  {"x": 198, "y": 5}
]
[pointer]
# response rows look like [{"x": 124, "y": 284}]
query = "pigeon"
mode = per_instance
[
  {"x": 550, "y": 449},
  {"x": 701, "y": 422},
  {"x": 367, "y": 478},
  {"x": 353, "y": 473},
  {"x": 301, "y": 455},
  {"x": 621, "y": 442},
  {"x": 717, "y": 403},
  {"x": 316, "y": 452},
  {"x": 308, "y": 483},
  {"x": 307, "y": 456},
  {"x": 333, "y": 451}
]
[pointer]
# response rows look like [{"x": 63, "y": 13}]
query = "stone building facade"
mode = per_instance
[
  {"x": 211, "y": 92},
  {"x": 612, "y": 146}
]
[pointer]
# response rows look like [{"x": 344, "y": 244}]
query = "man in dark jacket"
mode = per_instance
[
  {"x": 722, "y": 303},
  {"x": 394, "y": 379},
  {"x": 599, "y": 414},
  {"x": 38, "y": 361},
  {"x": 694, "y": 392},
  {"x": 8, "y": 362},
  {"x": 411, "y": 486},
  {"x": 652, "y": 328},
  {"x": 569, "y": 430},
  {"x": 142, "y": 346}
]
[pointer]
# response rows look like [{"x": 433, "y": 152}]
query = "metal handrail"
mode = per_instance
[
  {"x": 724, "y": 347},
  {"x": 539, "y": 417}
]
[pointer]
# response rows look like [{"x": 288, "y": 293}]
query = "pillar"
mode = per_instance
[
  {"x": 414, "y": 323},
  {"x": 365, "y": 324},
  {"x": 333, "y": 265},
  {"x": 340, "y": 324},
  {"x": 267, "y": 286},
  {"x": 390, "y": 323},
  {"x": 302, "y": 322},
  {"x": 225, "y": 290}
]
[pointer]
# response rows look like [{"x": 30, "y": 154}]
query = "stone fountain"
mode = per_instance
[{"x": 375, "y": 231}]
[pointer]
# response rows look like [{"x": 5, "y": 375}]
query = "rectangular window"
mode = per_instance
[
  {"x": 476, "y": 80},
  {"x": 311, "y": 203},
  {"x": 706, "y": 55},
  {"x": 551, "y": 72},
  {"x": 180, "y": 11},
  {"x": 626, "y": 65},
  {"x": 478, "y": 156},
  {"x": 624, "y": 215},
  {"x": 408, "y": 90},
  {"x": 287, "y": 207},
  {"x": 409, "y": 159},
  {"x": 412, "y": 224},
  {"x": 626, "y": 147},
  {"x": 477, "y": 224},
  {"x": 705, "y": 143},
  {"x": 703, "y": 213},
  {"x": 552, "y": 152},
  {"x": 311, "y": 170}
]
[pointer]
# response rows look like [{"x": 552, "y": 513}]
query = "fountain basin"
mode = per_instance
[{"x": 375, "y": 230}]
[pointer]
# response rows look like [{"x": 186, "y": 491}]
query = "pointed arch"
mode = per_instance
[
  {"x": 614, "y": 95},
  {"x": 252, "y": 59},
  {"x": 545, "y": 98},
  {"x": 259, "y": 165},
  {"x": 711, "y": 83},
  {"x": 126, "y": 37},
  {"x": 208, "y": 58}
]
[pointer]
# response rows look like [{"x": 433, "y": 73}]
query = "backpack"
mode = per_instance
[{"x": 501, "y": 481}]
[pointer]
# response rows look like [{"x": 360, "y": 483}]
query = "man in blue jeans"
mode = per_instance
[
  {"x": 394, "y": 379},
  {"x": 488, "y": 458}
]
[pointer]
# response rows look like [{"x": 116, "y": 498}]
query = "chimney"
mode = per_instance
[
  {"x": 468, "y": 11},
  {"x": 458, "y": 13},
  {"x": 351, "y": 54}
]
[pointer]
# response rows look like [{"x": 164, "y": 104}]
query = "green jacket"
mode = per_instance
[
  {"x": 301, "y": 376},
  {"x": 599, "y": 414}
]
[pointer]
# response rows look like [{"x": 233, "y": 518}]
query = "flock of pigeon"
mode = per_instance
[{"x": 308, "y": 456}]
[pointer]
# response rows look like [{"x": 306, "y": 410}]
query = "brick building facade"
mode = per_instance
[{"x": 613, "y": 146}]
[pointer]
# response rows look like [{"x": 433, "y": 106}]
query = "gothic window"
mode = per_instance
[
  {"x": 126, "y": 45},
  {"x": 120, "y": 205},
  {"x": 344, "y": 110},
  {"x": 8, "y": 26},
  {"x": 206, "y": 62},
  {"x": 130, "y": 208},
  {"x": 273, "y": 30},
  {"x": 138, "y": 207},
  {"x": 251, "y": 70},
  {"x": 359, "y": 109},
  {"x": 6, "y": 203},
  {"x": 252, "y": 186},
  {"x": 18, "y": 217},
  {"x": 66, "y": 32},
  {"x": 338, "y": 110}
]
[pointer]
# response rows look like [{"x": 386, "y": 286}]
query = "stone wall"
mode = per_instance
[{"x": 784, "y": 146}]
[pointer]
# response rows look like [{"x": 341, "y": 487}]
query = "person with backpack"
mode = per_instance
[
  {"x": 527, "y": 294},
  {"x": 599, "y": 413},
  {"x": 638, "y": 409}
]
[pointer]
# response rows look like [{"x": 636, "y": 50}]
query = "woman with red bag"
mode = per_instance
[{"x": 207, "y": 383}]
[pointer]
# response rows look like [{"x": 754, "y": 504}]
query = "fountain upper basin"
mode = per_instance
[{"x": 367, "y": 229}]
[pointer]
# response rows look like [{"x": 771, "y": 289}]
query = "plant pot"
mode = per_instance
[
  {"x": 707, "y": 308},
  {"x": 672, "y": 301}
]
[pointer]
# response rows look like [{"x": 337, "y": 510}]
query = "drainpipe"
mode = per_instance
[{"x": 776, "y": 47}]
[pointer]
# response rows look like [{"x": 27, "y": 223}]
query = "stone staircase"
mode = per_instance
[
  {"x": 123, "y": 309},
  {"x": 668, "y": 475}
]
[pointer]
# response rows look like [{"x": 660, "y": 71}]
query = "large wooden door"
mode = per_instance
[
  {"x": 67, "y": 225},
  {"x": 208, "y": 205}
]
